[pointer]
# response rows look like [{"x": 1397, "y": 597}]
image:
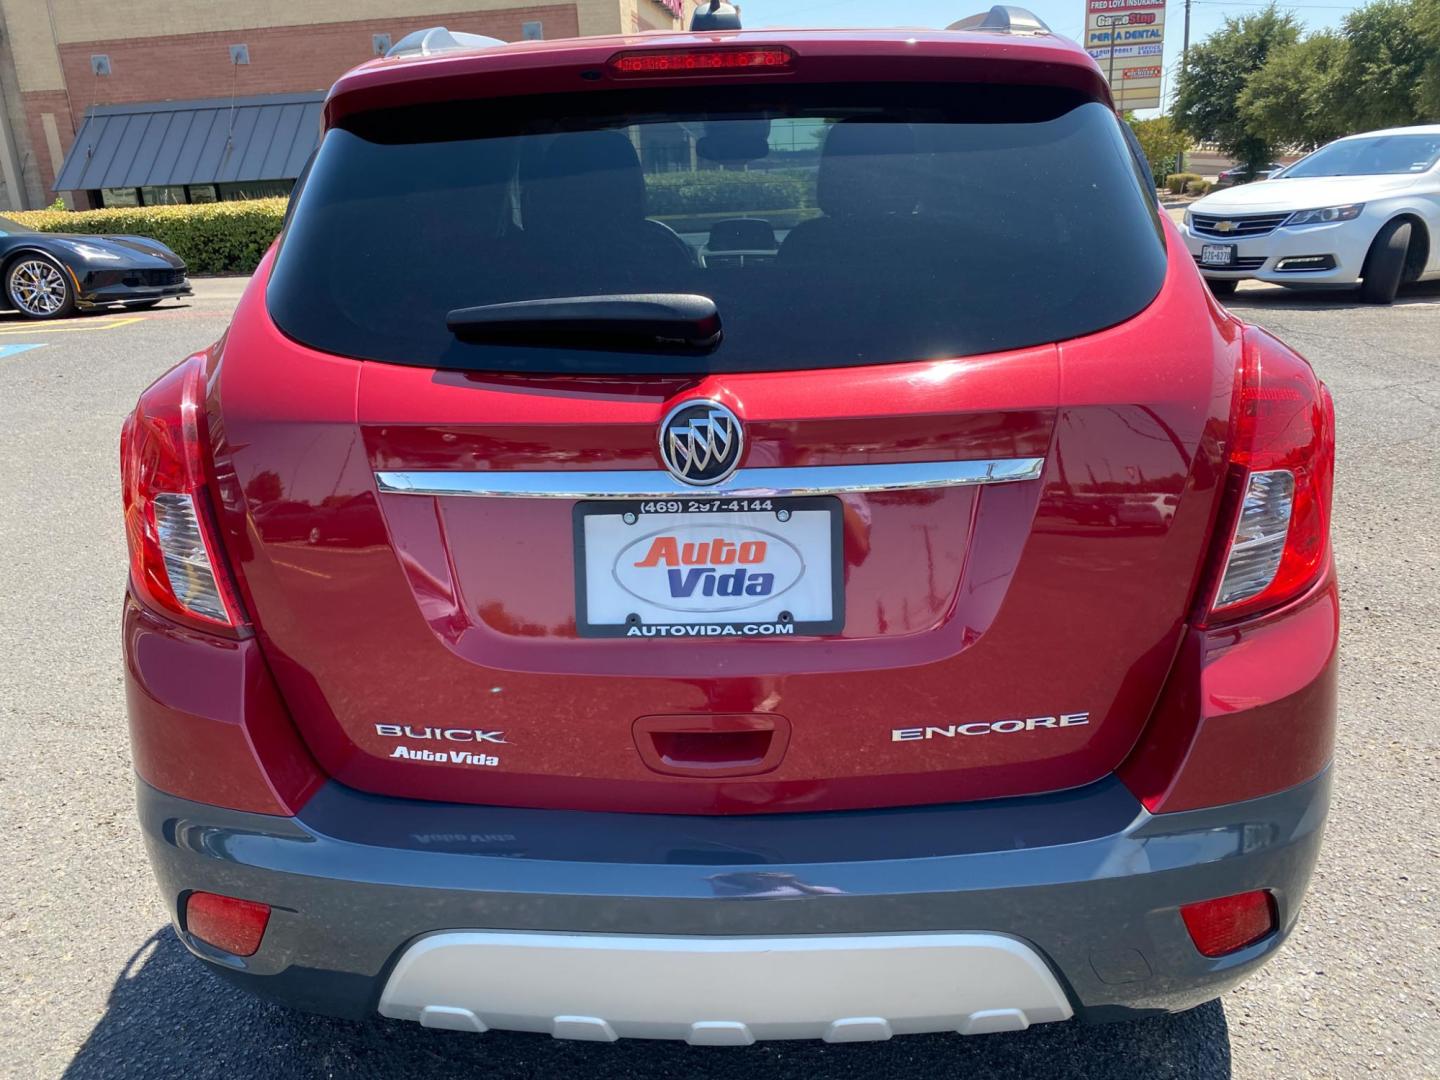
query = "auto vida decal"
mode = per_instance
[
  {"x": 442, "y": 755},
  {"x": 993, "y": 727},
  {"x": 699, "y": 568}
]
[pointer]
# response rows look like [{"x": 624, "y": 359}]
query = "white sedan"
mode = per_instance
[{"x": 1365, "y": 208}]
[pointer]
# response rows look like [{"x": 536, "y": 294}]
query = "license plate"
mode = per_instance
[
  {"x": 1217, "y": 254},
  {"x": 709, "y": 568}
]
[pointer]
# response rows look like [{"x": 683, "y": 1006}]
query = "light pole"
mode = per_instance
[
  {"x": 1184, "y": 54},
  {"x": 1110, "y": 22}
]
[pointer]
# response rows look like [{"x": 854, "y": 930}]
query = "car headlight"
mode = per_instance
[
  {"x": 90, "y": 251},
  {"x": 1325, "y": 215},
  {"x": 1187, "y": 220}
]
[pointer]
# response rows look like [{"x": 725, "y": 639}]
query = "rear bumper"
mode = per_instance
[{"x": 1086, "y": 882}]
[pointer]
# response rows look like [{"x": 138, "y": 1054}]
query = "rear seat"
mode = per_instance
[
  {"x": 584, "y": 215},
  {"x": 867, "y": 190}
]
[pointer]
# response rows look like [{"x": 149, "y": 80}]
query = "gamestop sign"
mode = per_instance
[{"x": 1127, "y": 40}]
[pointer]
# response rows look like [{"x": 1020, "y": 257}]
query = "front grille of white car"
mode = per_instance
[{"x": 1236, "y": 227}]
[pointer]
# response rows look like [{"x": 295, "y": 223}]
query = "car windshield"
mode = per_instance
[
  {"x": 12, "y": 228},
  {"x": 830, "y": 226},
  {"x": 1379, "y": 155}
]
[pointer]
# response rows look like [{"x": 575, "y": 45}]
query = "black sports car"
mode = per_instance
[{"x": 50, "y": 275}]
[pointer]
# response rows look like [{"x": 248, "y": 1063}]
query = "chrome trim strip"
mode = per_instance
[{"x": 746, "y": 483}]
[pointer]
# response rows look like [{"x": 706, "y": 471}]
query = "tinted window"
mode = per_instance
[
  {"x": 831, "y": 226},
  {"x": 1383, "y": 154}
]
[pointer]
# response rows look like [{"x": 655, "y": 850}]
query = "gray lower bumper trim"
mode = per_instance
[
  {"x": 723, "y": 991},
  {"x": 1086, "y": 878}
]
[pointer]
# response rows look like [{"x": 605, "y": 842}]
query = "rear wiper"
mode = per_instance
[{"x": 623, "y": 322}]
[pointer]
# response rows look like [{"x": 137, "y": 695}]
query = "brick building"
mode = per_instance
[{"x": 148, "y": 93}]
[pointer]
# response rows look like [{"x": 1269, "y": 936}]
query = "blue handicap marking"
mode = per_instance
[{"x": 11, "y": 350}]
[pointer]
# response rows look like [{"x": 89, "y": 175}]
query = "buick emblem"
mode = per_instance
[{"x": 701, "y": 442}]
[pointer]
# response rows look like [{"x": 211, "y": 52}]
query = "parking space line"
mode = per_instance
[
  {"x": 110, "y": 325},
  {"x": 18, "y": 347}
]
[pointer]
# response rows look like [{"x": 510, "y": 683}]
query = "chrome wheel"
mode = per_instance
[{"x": 38, "y": 288}]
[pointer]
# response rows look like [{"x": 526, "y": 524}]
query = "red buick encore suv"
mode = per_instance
[{"x": 727, "y": 536}]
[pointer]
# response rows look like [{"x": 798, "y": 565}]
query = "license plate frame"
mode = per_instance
[
  {"x": 721, "y": 625},
  {"x": 1209, "y": 250}
]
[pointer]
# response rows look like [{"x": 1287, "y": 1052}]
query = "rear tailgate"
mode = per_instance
[{"x": 998, "y": 640}]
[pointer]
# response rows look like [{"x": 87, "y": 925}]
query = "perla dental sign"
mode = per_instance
[
  {"x": 703, "y": 569},
  {"x": 993, "y": 727}
]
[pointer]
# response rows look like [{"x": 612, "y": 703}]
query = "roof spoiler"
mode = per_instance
[
  {"x": 1002, "y": 19},
  {"x": 437, "y": 39}
]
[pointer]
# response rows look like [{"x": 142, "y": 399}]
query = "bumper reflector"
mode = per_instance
[
  {"x": 1224, "y": 925},
  {"x": 236, "y": 926}
]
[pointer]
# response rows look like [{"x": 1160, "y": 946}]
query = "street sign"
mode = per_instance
[{"x": 1127, "y": 40}]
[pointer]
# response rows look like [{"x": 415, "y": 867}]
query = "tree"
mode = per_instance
[
  {"x": 1207, "y": 105},
  {"x": 1291, "y": 101},
  {"x": 1253, "y": 85},
  {"x": 1427, "y": 31},
  {"x": 1384, "y": 63},
  {"x": 1162, "y": 142}
]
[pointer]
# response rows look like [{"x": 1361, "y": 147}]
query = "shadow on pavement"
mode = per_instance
[
  {"x": 169, "y": 1017},
  {"x": 1277, "y": 297}
]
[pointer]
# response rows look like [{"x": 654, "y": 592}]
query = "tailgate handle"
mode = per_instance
[{"x": 712, "y": 744}]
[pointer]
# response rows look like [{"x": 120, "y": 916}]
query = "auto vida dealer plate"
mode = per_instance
[{"x": 717, "y": 567}]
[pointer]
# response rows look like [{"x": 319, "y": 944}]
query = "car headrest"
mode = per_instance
[
  {"x": 587, "y": 178},
  {"x": 868, "y": 170}
]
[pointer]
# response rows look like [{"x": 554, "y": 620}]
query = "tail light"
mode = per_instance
[
  {"x": 1282, "y": 463},
  {"x": 175, "y": 562},
  {"x": 1229, "y": 923}
]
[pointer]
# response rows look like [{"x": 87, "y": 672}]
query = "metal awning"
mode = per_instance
[{"x": 268, "y": 137}]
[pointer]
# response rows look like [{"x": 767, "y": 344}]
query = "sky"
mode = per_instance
[{"x": 1064, "y": 16}]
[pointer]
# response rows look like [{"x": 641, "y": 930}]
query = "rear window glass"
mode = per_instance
[{"x": 830, "y": 226}]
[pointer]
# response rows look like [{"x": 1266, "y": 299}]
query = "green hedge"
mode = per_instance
[
  {"x": 212, "y": 238},
  {"x": 230, "y": 237},
  {"x": 733, "y": 192},
  {"x": 1176, "y": 183}
]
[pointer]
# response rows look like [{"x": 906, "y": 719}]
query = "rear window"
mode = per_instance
[{"x": 831, "y": 226}]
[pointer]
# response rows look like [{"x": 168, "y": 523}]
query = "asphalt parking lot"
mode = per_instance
[{"x": 93, "y": 983}]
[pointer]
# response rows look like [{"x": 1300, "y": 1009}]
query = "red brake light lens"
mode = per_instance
[
  {"x": 669, "y": 63},
  {"x": 1227, "y": 924},
  {"x": 175, "y": 563},
  {"x": 1282, "y": 457},
  {"x": 236, "y": 926}
]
